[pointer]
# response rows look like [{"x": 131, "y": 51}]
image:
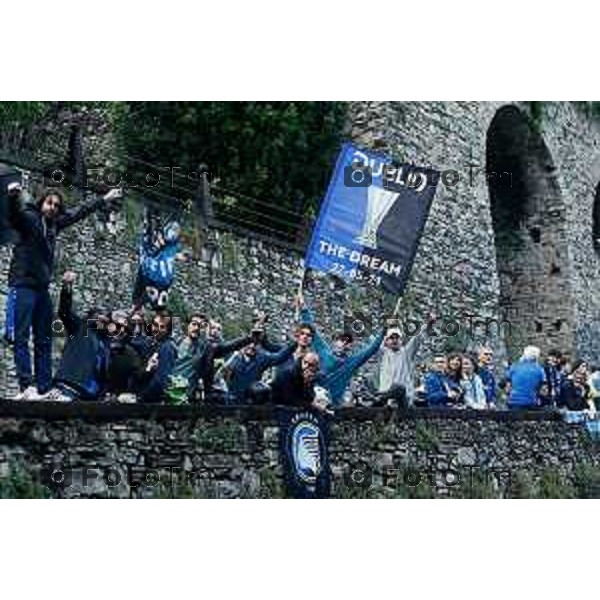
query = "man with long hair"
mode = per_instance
[{"x": 29, "y": 307}]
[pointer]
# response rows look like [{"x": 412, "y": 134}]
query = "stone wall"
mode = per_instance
[
  {"x": 545, "y": 283},
  {"x": 550, "y": 287},
  {"x": 140, "y": 451}
]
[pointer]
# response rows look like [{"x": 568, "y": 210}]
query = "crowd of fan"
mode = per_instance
[
  {"x": 472, "y": 381},
  {"x": 124, "y": 355}
]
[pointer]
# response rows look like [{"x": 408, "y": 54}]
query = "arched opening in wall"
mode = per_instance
[
  {"x": 596, "y": 221},
  {"x": 528, "y": 217}
]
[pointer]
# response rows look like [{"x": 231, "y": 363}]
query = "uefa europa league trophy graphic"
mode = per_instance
[{"x": 379, "y": 203}]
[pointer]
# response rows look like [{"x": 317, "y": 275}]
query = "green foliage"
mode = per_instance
[
  {"x": 22, "y": 113},
  {"x": 475, "y": 485},
  {"x": 219, "y": 437},
  {"x": 586, "y": 481},
  {"x": 271, "y": 486},
  {"x": 422, "y": 491},
  {"x": 132, "y": 210},
  {"x": 179, "y": 307},
  {"x": 282, "y": 152},
  {"x": 591, "y": 109},
  {"x": 425, "y": 437},
  {"x": 183, "y": 489},
  {"x": 18, "y": 483},
  {"x": 537, "y": 115},
  {"x": 552, "y": 485},
  {"x": 521, "y": 486}
]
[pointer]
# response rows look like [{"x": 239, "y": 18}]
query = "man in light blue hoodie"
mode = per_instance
[{"x": 340, "y": 363}]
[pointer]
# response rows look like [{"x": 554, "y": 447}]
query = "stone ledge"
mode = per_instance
[{"x": 113, "y": 411}]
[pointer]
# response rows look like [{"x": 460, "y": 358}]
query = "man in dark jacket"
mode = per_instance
[
  {"x": 29, "y": 306},
  {"x": 295, "y": 385},
  {"x": 129, "y": 351},
  {"x": 81, "y": 374},
  {"x": 245, "y": 368},
  {"x": 555, "y": 378},
  {"x": 486, "y": 373},
  {"x": 153, "y": 385}
]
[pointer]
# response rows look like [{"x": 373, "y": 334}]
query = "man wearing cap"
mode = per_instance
[
  {"x": 29, "y": 306},
  {"x": 395, "y": 374}
]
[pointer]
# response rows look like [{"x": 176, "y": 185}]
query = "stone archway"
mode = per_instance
[{"x": 528, "y": 216}]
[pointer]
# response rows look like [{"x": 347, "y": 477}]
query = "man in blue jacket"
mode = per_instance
[
  {"x": 525, "y": 378},
  {"x": 29, "y": 306},
  {"x": 340, "y": 363},
  {"x": 438, "y": 391},
  {"x": 246, "y": 367}
]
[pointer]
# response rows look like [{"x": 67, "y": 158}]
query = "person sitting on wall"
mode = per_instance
[
  {"x": 473, "y": 388},
  {"x": 594, "y": 384},
  {"x": 395, "y": 375},
  {"x": 83, "y": 368},
  {"x": 554, "y": 378},
  {"x": 29, "y": 306},
  {"x": 455, "y": 377},
  {"x": 297, "y": 384},
  {"x": 304, "y": 334},
  {"x": 189, "y": 349},
  {"x": 244, "y": 369},
  {"x": 197, "y": 368},
  {"x": 127, "y": 362},
  {"x": 140, "y": 338},
  {"x": 152, "y": 385},
  {"x": 440, "y": 389},
  {"x": 486, "y": 374},
  {"x": 340, "y": 362},
  {"x": 576, "y": 394},
  {"x": 524, "y": 380}
]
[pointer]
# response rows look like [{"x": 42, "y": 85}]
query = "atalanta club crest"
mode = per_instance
[{"x": 304, "y": 454}]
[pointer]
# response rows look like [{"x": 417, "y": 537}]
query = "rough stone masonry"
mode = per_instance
[
  {"x": 512, "y": 239},
  {"x": 136, "y": 451}
]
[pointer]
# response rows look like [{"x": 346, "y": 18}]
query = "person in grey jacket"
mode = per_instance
[{"x": 395, "y": 372}]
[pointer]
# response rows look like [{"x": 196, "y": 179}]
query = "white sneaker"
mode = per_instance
[
  {"x": 55, "y": 395},
  {"x": 26, "y": 394},
  {"x": 127, "y": 398},
  {"x": 36, "y": 396}
]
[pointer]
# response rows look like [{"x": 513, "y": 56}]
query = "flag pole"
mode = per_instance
[{"x": 299, "y": 292}]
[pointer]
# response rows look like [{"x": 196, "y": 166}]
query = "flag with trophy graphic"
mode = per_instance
[{"x": 372, "y": 219}]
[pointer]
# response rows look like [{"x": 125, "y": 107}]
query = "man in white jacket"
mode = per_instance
[{"x": 395, "y": 374}]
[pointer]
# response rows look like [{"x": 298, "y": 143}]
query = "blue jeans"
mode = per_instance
[{"x": 26, "y": 310}]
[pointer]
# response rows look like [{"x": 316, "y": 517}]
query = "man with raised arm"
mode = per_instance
[
  {"x": 340, "y": 362},
  {"x": 82, "y": 372},
  {"x": 29, "y": 306}
]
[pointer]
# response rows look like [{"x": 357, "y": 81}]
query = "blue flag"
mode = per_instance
[
  {"x": 372, "y": 219},
  {"x": 304, "y": 448}
]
